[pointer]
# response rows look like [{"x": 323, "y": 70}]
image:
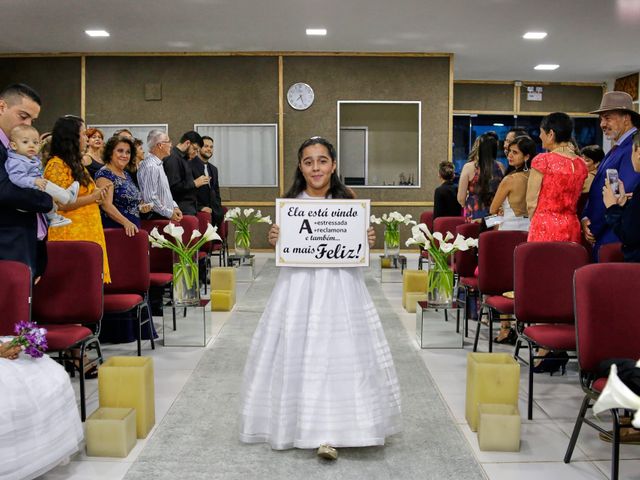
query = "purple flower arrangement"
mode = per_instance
[{"x": 31, "y": 337}]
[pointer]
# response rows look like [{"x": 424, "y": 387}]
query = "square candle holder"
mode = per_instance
[
  {"x": 245, "y": 267},
  {"x": 498, "y": 427},
  {"x": 491, "y": 378},
  {"x": 437, "y": 327},
  {"x": 194, "y": 324},
  {"x": 392, "y": 268},
  {"x": 127, "y": 382},
  {"x": 111, "y": 432}
]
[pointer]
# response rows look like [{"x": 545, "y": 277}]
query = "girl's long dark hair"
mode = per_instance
[
  {"x": 487, "y": 154},
  {"x": 337, "y": 189},
  {"x": 65, "y": 143}
]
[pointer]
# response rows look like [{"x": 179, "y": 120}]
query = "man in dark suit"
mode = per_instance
[
  {"x": 19, "y": 229},
  {"x": 208, "y": 195},
  {"x": 619, "y": 121},
  {"x": 182, "y": 182}
]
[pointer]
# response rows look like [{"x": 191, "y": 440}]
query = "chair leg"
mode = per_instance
[
  {"x": 615, "y": 445},
  {"x": 530, "y": 395},
  {"x": 490, "y": 330},
  {"x": 475, "y": 343},
  {"x": 83, "y": 403},
  {"x": 576, "y": 429},
  {"x": 139, "y": 330},
  {"x": 153, "y": 342}
]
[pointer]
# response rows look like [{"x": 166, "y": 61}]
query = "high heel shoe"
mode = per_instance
[
  {"x": 552, "y": 365},
  {"x": 510, "y": 339}
]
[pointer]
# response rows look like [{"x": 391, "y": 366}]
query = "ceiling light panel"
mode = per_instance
[
  {"x": 546, "y": 66},
  {"x": 534, "y": 35},
  {"x": 97, "y": 33},
  {"x": 316, "y": 31}
]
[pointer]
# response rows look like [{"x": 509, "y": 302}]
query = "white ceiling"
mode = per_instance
[{"x": 592, "y": 40}]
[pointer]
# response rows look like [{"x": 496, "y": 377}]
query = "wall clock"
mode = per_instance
[{"x": 300, "y": 96}]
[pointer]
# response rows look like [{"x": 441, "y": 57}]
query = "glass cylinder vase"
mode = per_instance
[
  {"x": 186, "y": 281},
  {"x": 440, "y": 280},
  {"x": 242, "y": 242},
  {"x": 391, "y": 241}
]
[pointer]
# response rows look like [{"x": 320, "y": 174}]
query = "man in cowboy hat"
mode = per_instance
[{"x": 619, "y": 121}]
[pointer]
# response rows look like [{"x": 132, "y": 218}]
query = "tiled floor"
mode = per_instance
[{"x": 544, "y": 439}]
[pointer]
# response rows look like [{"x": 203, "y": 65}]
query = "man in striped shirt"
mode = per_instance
[{"x": 153, "y": 179}]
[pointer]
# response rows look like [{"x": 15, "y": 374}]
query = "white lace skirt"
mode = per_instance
[
  {"x": 39, "y": 420},
  {"x": 319, "y": 369}
]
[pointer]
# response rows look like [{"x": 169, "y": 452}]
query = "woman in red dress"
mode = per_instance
[{"x": 555, "y": 183}]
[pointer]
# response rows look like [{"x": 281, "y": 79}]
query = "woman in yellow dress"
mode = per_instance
[{"x": 63, "y": 168}]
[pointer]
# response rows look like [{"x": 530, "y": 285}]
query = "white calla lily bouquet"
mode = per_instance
[
  {"x": 185, "y": 267},
  {"x": 392, "y": 223},
  {"x": 242, "y": 220},
  {"x": 440, "y": 249}
]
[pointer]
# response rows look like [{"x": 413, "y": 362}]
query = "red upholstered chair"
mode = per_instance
[
  {"x": 465, "y": 264},
  {"x": 426, "y": 217},
  {"x": 215, "y": 248},
  {"x": 447, "y": 224},
  {"x": 605, "y": 329},
  {"x": 495, "y": 275},
  {"x": 129, "y": 287},
  {"x": 610, "y": 252},
  {"x": 68, "y": 303},
  {"x": 15, "y": 295},
  {"x": 543, "y": 290}
]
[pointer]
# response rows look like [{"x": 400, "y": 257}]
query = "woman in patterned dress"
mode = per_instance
[
  {"x": 121, "y": 207},
  {"x": 479, "y": 179},
  {"x": 63, "y": 168}
]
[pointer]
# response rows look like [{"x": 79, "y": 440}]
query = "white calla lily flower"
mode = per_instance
[
  {"x": 195, "y": 234},
  {"x": 211, "y": 233},
  {"x": 438, "y": 236},
  {"x": 448, "y": 236},
  {"x": 446, "y": 247},
  {"x": 248, "y": 211},
  {"x": 460, "y": 243},
  {"x": 174, "y": 230}
]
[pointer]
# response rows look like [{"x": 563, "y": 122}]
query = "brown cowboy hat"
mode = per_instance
[{"x": 620, "y": 101}]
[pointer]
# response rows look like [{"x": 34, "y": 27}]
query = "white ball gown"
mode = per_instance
[
  {"x": 319, "y": 369},
  {"x": 39, "y": 420}
]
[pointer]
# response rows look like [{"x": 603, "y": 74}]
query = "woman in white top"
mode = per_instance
[
  {"x": 510, "y": 200},
  {"x": 319, "y": 373}
]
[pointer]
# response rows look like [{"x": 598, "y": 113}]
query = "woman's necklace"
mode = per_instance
[{"x": 564, "y": 148}]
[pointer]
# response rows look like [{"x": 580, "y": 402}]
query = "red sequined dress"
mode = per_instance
[{"x": 555, "y": 217}]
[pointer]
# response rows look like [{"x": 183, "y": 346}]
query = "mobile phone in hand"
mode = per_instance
[{"x": 612, "y": 177}]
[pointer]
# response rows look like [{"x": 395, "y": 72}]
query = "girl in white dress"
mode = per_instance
[
  {"x": 39, "y": 421},
  {"x": 319, "y": 373}
]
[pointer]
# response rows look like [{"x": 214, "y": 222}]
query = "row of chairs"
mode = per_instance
[
  {"x": 561, "y": 303},
  {"x": 71, "y": 299}
]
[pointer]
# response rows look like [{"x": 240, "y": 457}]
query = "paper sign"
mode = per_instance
[{"x": 322, "y": 233}]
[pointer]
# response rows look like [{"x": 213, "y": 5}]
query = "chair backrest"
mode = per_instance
[
  {"x": 15, "y": 295},
  {"x": 160, "y": 259},
  {"x": 204, "y": 219},
  {"x": 543, "y": 280},
  {"x": 128, "y": 261},
  {"x": 467, "y": 261},
  {"x": 224, "y": 225},
  {"x": 606, "y": 315},
  {"x": 189, "y": 223},
  {"x": 610, "y": 252},
  {"x": 426, "y": 217},
  {"x": 447, "y": 224},
  {"x": 495, "y": 260},
  {"x": 70, "y": 290}
]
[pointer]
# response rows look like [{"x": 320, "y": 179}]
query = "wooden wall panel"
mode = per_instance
[{"x": 56, "y": 79}]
